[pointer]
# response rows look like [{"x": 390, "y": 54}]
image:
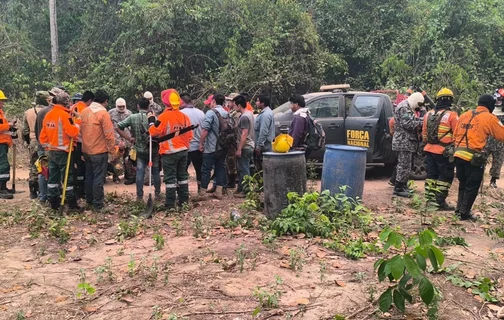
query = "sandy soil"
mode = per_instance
[{"x": 199, "y": 278}]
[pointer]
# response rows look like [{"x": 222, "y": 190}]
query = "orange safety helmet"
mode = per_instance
[{"x": 171, "y": 98}]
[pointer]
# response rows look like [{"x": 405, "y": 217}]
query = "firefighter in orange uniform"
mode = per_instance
[
  {"x": 437, "y": 132},
  {"x": 173, "y": 152},
  {"x": 58, "y": 129},
  {"x": 5, "y": 144},
  {"x": 471, "y": 135}
]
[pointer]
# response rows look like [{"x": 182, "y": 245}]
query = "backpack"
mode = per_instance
[
  {"x": 433, "y": 122},
  {"x": 226, "y": 138},
  {"x": 315, "y": 138}
]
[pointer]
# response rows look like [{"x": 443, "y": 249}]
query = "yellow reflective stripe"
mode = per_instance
[{"x": 465, "y": 155}]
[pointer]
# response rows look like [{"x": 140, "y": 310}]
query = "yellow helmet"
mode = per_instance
[
  {"x": 444, "y": 93},
  {"x": 282, "y": 143},
  {"x": 2, "y": 96}
]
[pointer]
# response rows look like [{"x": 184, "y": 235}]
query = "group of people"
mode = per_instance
[
  {"x": 221, "y": 144},
  {"x": 451, "y": 142}
]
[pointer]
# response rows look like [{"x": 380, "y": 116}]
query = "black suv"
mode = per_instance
[{"x": 353, "y": 118}]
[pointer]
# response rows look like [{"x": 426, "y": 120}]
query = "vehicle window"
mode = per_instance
[
  {"x": 324, "y": 108},
  {"x": 364, "y": 106},
  {"x": 282, "y": 108}
]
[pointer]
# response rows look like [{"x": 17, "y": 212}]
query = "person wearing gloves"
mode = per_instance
[
  {"x": 405, "y": 139},
  {"x": 174, "y": 151},
  {"x": 98, "y": 142},
  {"x": 58, "y": 131},
  {"x": 471, "y": 135}
]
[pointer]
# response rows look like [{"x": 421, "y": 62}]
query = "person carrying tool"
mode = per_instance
[
  {"x": 493, "y": 146},
  {"x": 98, "y": 142},
  {"x": 138, "y": 126},
  {"x": 174, "y": 151},
  {"x": 81, "y": 102},
  {"x": 404, "y": 140},
  {"x": 58, "y": 132},
  {"x": 437, "y": 132},
  {"x": 471, "y": 135},
  {"x": 28, "y": 133},
  {"x": 5, "y": 143}
]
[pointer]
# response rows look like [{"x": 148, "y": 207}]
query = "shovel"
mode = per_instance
[
  {"x": 65, "y": 180},
  {"x": 150, "y": 205}
]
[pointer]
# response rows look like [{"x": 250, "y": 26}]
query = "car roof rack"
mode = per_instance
[{"x": 335, "y": 88}]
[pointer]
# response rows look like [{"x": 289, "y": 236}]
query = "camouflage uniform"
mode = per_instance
[
  {"x": 156, "y": 108},
  {"x": 405, "y": 139},
  {"x": 28, "y": 133},
  {"x": 231, "y": 155},
  {"x": 117, "y": 117},
  {"x": 496, "y": 148}
]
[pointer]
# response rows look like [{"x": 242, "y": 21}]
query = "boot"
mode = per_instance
[
  {"x": 4, "y": 193},
  {"x": 202, "y": 195},
  {"x": 212, "y": 189},
  {"x": 33, "y": 186},
  {"x": 218, "y": 192},
  {"x": 55, "y": 203},
  {"x": 445, "y": 206},
  {"x": 400, "y": 190},
  {"x": 3, "y": 187},
  {"x": 231, "y": 181},
  {"x": 493, "y": 183},
  {"x": 73, "y": 205}
]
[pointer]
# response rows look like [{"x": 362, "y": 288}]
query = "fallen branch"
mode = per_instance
[
  {"x": 359, "y": 311},
  {"x": 216, "y": 313}
]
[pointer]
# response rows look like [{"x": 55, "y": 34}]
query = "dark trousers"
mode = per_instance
[
  {"x": 80, "y": 171},
  {"x": 96, "y": 169},
  {"x": 243, "y": 163},
  {"x": 4, "y": 163},
  {"x": 176, "y": 178},
  {"x": 57, "y": 167},
  {"x": 440, "y": 174},
  {"x": 470, "y": 178},
  {"x": 210, "y": 160},
  {"x": 196, "y": 158}
]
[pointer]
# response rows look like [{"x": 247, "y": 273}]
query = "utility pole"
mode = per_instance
[{"x": 54, "y": 32}]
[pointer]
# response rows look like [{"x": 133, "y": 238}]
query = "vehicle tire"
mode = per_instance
[{"x": 418, "y": 169}]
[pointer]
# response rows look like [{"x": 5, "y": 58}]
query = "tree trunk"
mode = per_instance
[{"x": 54, "y": 32}]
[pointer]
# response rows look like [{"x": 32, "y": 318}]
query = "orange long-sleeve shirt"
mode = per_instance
[
  {"x": 57, "y": 129},
  {"x": 484, "y": 124},
  {"x": 446, "y": 129},
  {"x": 97, "y": 130},
  {"x": 170, "y": 121},
  {"x": 5, "y": 135}
]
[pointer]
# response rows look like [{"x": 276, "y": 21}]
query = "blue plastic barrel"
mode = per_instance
[{"x": 344, "y": 166}]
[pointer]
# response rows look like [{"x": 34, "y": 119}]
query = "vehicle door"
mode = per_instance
[
  {"x": 326, "y": 110},
  {"x": 361, "y": 122}
]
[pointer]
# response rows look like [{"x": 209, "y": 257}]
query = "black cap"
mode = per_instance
[{"x": 487, "y": 100}]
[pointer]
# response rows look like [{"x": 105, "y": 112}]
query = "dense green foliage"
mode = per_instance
[{"x": 275, "y": 47}]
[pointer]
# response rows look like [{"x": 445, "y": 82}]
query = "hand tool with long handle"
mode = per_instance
[
  {"x": 65, "y": 180},
  {"x": 150, "y": 205}
]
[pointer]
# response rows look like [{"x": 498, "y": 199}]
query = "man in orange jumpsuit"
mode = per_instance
[
  {"x": 471, "y": 135},
  {"x": 5, "y": 144},
  {"x": 58, "y": 129},
  {"x": 174, "y": 151}
]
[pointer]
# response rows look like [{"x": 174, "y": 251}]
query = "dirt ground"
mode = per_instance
[{"x": 199, "y": 277}]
